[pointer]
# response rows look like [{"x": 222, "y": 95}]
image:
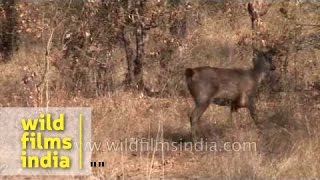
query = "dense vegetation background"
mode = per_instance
[{"x": 126, "y": 60}]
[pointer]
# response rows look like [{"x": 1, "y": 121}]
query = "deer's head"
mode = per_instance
[{"x": 263, "y": 60}]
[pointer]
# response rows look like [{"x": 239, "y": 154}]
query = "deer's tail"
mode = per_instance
[{"x": 189, "y": 73}]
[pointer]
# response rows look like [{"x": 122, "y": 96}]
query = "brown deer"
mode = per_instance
[{"x": 227, "y": 87}]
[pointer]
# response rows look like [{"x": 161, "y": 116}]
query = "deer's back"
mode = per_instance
[{"x": 220, "y": 82}]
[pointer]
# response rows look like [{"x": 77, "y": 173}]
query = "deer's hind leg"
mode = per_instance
[
  {"x": 195, "y": 116},
  {"x": 202, "y": 95}
]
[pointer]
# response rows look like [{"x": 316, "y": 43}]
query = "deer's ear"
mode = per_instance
[
  {"x": 255, "y": 58},
  {"x": 273, "y": 51},
  {"x": 255, "y": 50}
]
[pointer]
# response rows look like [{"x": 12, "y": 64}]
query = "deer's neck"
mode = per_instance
[{"x": 259, "y": 74}]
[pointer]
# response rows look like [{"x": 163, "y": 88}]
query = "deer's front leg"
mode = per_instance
[
  {"x": 230, "y": 117},
  {"x": 252, "y": 110},
  {"x": 233, "y": 108}
]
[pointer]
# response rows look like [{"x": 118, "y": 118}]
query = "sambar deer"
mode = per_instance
[{"x": 227, "y": 87}]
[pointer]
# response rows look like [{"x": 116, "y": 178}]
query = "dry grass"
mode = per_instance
[{"x": 288, "y": 147}]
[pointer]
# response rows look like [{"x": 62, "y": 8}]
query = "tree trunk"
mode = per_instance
[
  {"x": 8, "y": 35},
  {"x": 130, "y": 78},
  {"x": 138, "y": 61},
  {"x": 135, "y": 56}
]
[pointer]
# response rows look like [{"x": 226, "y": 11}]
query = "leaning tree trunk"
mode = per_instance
[{"x": 257, "y": 9}]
